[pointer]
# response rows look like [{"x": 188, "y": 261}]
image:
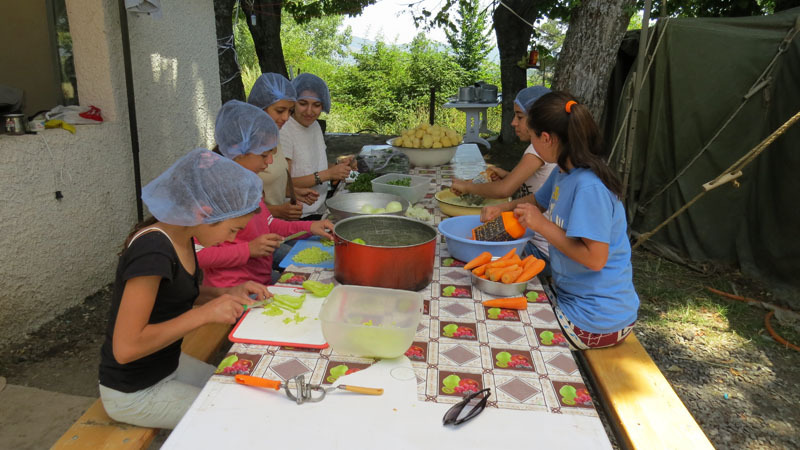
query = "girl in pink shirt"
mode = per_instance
[{"x": 247, "y": 135}]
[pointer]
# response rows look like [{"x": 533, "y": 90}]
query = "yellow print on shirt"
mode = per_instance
[{"x": 559, "y": 221}]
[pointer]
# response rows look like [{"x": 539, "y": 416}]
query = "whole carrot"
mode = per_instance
[
  {"x": 497, "y": 272},
  {"x": 508, "y": 255},
  {"x": 531, "y": 271},
  {"x": 511, "y": 275},
  {"x": 483, "y": 258},
  {"x": 507, "y": 303},
  {"x": 530, "y": 261},
  {"x": 480, "y": 270}
]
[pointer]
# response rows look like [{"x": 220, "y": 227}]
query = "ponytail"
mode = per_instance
[{"x": 560, "y": 114}]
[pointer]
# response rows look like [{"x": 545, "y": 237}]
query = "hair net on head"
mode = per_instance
[
  {"x": 202, "y": 187},
  {"x": 528, "y": 96},
  {"x": 270, "y": 88},
  {"x": 312, "y": 87},
  {"x": 243, "y": 128}
]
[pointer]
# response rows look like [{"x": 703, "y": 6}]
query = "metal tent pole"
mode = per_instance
[{"x": 126, "y": 57}]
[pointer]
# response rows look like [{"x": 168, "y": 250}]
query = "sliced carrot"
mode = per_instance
[
  {"x": 531, "y": 271},
  {"x": 525, "y": 260},
  {"x": 483, "y": 258},
  {"x": 511, "y": 275},
  {"x": 483, "y": 276},
  {"x": 507, "y": 303},
  {"x": 497, "y": 272},
  {"x": 480, "y": 270}
]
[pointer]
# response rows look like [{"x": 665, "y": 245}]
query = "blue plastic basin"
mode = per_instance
[{"x": 458, "y": 235}]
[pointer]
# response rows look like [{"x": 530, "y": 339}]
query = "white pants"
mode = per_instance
[{"x": 163, "y": 404}]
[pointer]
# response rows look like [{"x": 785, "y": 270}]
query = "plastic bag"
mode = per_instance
[
  {"x": 383, "y": 160},
  {"x": 76, "y": 115}
]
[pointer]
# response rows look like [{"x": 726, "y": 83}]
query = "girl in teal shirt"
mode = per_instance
[{"x": 578, "y": 210}]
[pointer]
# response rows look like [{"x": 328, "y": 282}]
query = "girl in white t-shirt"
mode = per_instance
[
  {"x": 530, "y": 172},
  {"x": 303, "y": 144}
]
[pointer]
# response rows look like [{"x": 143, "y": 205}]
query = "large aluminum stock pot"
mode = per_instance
[{"x": 397, "y": 252}]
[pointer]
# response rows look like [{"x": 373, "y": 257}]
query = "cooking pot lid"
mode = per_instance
[{"x": 383, "y": 231}]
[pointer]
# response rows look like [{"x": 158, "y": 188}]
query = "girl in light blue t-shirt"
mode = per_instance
[{"x": 579, "y": 212}]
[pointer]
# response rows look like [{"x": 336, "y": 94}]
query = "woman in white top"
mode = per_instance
[
  {"x": 530, "y": 172},
  {"x": 303, "y": 144},
  {"x": 275, "y": 94}
]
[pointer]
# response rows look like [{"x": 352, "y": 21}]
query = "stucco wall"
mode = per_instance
[{"x": 53, "y": 253}]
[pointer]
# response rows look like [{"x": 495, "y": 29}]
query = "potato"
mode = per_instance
[{"x": 425, "y": 135}]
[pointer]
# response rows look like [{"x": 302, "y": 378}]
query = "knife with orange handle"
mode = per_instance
[{"x": 274, "y": 384}]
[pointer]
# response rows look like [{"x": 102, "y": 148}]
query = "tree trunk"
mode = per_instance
[
  {"x": 513, "y": 39},
  {"x": 267, "y": 35},
  {"x": 590, "y": 49},
  {"x": 230, "y": 77}
]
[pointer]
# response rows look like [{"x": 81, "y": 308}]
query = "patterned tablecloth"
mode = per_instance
[
  {"x": 460, "y": 345},
  {"x": 521, "y": 355}
]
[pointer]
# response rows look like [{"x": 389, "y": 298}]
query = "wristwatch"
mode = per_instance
[{"x": 317, "y": 179}]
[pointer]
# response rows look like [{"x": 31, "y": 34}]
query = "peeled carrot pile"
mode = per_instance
[{"x": 508, "y": 269}]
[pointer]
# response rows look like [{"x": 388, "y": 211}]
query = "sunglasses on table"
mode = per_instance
[{"x": 472, "y": 405}]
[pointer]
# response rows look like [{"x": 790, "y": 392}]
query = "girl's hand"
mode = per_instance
[
  {"x": 225, "y": 309},
  {"x": 249, "y": 290},
  {"x": 321, "y": 227},
  {"x": 459, "y": 187},
  {"x": 305, "y": 195},
  {"x": 264, "y": 245},
  {"x": 529, "y": 216},
  {"x": 339, "y": 172},
  {"x": 286, "y": 211},
  {"x": 493, "y": 174},
  {"x": 490, "y": 212}
]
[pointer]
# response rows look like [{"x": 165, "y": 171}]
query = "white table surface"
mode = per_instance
[{"x": 409, "y": 414}]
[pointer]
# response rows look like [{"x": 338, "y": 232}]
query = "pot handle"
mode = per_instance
[{"x": 337, "y": 240}]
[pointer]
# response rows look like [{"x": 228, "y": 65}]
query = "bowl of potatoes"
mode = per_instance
[{"x": 427, "y": 145}]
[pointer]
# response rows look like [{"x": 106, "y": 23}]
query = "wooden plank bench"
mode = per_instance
[
  {"x": 640, "y": 404},
  {"x": 95, "y": 430}
]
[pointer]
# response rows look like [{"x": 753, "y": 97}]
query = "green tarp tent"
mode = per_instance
[{"x": 699, "y": 112}]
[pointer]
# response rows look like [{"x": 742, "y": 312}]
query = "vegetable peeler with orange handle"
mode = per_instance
[{"x": 303, "y": 391}]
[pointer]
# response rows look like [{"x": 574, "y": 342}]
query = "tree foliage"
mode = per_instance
[{"x": 469, "y": 40}]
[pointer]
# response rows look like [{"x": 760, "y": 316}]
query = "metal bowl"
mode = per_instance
[
  {"x": 497, "y": 288},
  {"x": 343, "y": 206}
]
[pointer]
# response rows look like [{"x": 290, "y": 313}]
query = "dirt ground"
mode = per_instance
[{"x": 739, "y": 384}]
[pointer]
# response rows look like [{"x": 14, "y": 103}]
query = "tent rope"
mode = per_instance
[
  {"x": 730, "y": 174},
  {"x": 624, "y": 128},
  {"x": 762, "y": 81}
]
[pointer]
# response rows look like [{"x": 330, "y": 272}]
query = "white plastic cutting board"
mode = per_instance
[{"x": 257, "y": 328}]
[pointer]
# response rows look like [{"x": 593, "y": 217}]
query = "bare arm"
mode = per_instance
[
  {"x": 506, "y": 186},
  {"x": 135, "y": 338},
  {"x": 590, "y": 253},
  {"x": 335, "y": 172}
]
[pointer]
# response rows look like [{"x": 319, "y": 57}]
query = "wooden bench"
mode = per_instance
[
  {"x": 95, "y": 430},
  {"x": 640, "y": 404}
]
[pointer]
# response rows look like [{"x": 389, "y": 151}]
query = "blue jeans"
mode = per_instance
[{"x": 531, "y": 249}]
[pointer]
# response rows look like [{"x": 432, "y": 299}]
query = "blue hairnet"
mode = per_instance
[
  {"x": 270, "y": 88},
  {"x": 202, "y": 187},
  {"x": 306, "y": 82},
  {"x": 243, "y": 128},
  {"x": 528, "y": 96}
]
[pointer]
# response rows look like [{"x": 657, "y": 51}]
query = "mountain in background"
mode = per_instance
[{"x": 358, "y": 42}]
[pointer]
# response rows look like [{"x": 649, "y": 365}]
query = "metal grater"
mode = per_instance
[{"x": 474, "y": 199}]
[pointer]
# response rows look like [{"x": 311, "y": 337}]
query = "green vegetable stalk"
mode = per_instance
[
  {"x": 289, "y": 301},
  {"x": 318, "y": 289}
]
